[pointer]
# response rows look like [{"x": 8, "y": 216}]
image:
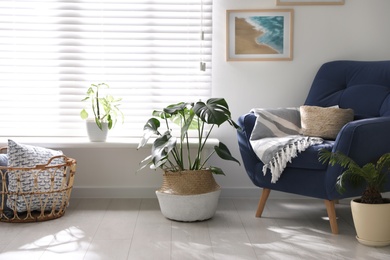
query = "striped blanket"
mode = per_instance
[{"x": 276, "y": 138}]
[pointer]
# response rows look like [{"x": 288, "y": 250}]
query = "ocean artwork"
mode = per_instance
[
  {"x": 259, "y": 35},
  {"x": 272, "y": 28}
]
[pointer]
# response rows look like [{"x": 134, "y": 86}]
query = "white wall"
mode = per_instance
[{"x": 356, "y": 30}]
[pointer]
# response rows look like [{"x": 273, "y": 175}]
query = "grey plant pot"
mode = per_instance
[{"x": 95, "y": 134}]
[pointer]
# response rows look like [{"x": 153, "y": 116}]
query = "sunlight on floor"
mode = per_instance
[
  {"x": 93, "y": 230},
  {"x": 298, "y": 206}
]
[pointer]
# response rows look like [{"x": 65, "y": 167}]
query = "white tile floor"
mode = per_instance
[{"x": 118, "y": 229}]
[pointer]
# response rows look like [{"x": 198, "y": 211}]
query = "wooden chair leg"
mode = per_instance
[
  {"x": 263, "y": 199},
  {"x": 330, "y": 208}
]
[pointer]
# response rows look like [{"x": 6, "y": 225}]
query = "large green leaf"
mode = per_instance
[
  {"x": 224, "y": 153},
  {"x": 150, "y": 128},
  {"x": 214, "y": 111},
  {"x": 152, "y": 125},
  {"x": 161, "y": 148},
  {"x": 161, "y": 114},
  {"x": 177, "y": 108}
]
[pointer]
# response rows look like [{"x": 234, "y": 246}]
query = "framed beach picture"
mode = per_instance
[
  {"x": 309, "y": 2},
  {"x": 259, "y": 35}
]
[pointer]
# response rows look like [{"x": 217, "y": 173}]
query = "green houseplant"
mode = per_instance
[
  {"x": 183, "y": 163},
  {"x": 105, "y": 111},
  {"x": 371, "y": 212},
  {"x": 168, "y": 150}
]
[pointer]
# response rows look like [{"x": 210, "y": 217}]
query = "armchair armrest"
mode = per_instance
[
  {"x": 247, "y": 122},
  {"x": 364, "y": 141}
]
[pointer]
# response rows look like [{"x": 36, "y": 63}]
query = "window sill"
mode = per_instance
[{"x": 83, "y": 142}]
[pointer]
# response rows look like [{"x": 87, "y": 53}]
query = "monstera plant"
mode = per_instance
[
  {"x": 173, "y": 153},
  {"x": 189, "y": 191}
]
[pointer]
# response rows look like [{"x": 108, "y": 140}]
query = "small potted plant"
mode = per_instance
[
  {"x": 105, "y": 113},
  {"x": 370, "y": 212},
  {"x": 189, "y": 191}
]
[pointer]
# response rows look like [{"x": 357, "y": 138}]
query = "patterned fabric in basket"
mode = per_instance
[{"x": 32, "y": 182}]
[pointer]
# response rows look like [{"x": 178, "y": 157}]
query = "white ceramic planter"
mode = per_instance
[
  {"x": 372, "y": 223},
  {"x": 188, "y": 208},
  {"x": 95, "y": 134}
]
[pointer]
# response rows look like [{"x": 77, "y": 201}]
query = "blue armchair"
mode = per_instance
[{"x": 363, "y": 86}]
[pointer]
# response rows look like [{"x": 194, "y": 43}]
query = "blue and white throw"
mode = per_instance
[{"x": 276, "y": 138}]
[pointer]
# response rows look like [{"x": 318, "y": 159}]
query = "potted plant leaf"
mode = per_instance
[
  {"x": 105, "y": 111},
  {"x": 370, "y": 212},
  {"x": 189, "y": 191}
]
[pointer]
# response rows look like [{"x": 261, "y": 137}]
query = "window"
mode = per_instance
[{"x": 148, "y": 52}]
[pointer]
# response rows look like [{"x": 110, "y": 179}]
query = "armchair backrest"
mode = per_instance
[{"x": 363, "y": 86}]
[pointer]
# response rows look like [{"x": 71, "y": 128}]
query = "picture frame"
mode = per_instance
[
  {"x": 309, "y": 2},
  {"x": 259, "y": 35}
]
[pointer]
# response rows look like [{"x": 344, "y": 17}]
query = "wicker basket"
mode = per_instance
[
  {"x": 188, "y": 182},
  {"x": 50, "y": 200}
]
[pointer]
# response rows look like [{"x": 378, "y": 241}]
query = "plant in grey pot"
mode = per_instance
[
  {"x": 370, "y": 212},
  {"x": 105, "y": 111},
  {"x": 189, "y": 191}
]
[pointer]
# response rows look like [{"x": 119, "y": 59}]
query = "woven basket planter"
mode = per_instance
[
  {"x": 188, "y": 182},
  {"x": 41, "y": 203},
  {"x": 188, "y": 195}
]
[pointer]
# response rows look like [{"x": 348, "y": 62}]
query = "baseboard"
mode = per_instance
[
  {"x": 113, "y": 192},
  {"x": 149, "y": 192}
]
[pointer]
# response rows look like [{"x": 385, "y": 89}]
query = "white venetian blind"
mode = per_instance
[{"x": 148, "y": 51}]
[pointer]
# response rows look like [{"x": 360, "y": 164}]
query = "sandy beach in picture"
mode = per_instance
[{"x": 245, "y": 39}]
